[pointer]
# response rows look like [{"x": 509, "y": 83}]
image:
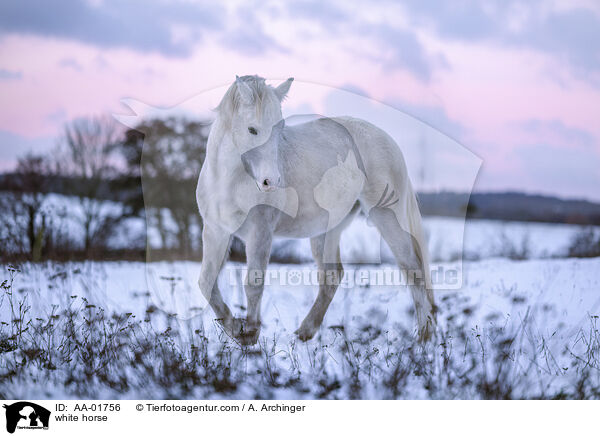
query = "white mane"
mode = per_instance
[{"x": 262, "y": 94}]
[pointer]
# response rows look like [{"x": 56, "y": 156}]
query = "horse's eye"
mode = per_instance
[{"x": 252, "y": 130}]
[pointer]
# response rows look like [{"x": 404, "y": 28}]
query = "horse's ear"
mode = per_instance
[
  {"x": 244, "y": 90},
  {"x": 283, "y": 89},
  {"x": 277, "y": 128}
]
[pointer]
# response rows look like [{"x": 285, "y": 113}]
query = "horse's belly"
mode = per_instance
[
  {"x": 311, "y": 220},
  {"x": 301, "y": 226}
]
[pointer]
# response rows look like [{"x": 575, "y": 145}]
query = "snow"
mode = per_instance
[
  {"x": 555, "y": 297},
  {"x": 488, "y": 279},
  {"x": 569, "y": 286}
]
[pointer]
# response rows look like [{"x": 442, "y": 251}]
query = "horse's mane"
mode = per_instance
[{"x": 231, "y": 101}]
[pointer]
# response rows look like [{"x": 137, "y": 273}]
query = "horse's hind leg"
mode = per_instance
[
  {"x": 326, "y": 252},
  {"x": 407, "y": 253}
]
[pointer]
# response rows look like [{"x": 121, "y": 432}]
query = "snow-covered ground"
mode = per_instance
[
  {"x": 549, "y": 304},
  {"x": 567, "y": 291},
  {"x": 544, "y": 306}
]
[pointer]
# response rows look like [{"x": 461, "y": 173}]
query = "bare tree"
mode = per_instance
[
  {"x": 32, "y": 172},
  {"x": 167, "y": 158},
  {"x": 87, "y": 158},
  {"x": 23, "y": 218}
]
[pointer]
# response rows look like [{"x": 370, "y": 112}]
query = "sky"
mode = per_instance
[{"x": 515, "y": 82}]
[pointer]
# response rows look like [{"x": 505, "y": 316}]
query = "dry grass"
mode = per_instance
[{"x": 82, "y": 351}]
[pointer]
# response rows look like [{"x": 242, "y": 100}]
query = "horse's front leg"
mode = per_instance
[
  {"x": 215, "y": 243},
  {"x": 258, "y": 250}
]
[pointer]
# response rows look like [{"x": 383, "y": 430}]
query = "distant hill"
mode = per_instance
[{"x": 512, "y": 206}]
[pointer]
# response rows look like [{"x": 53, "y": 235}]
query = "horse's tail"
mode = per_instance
[{"x": 422, "y": 295}]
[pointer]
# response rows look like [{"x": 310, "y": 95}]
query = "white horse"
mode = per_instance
[{"x": 263, "y": 179}]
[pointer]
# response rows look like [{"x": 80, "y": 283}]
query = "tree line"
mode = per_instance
[{"x": 111, "y": 176}]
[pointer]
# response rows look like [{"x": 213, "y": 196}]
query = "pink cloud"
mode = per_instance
[{"x": 487, "y": 89}]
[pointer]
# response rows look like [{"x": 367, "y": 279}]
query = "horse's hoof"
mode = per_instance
[
  {"x": 241, "y": 331},
  {"x": 305, "y": 333},
  {"x": 248, "y": 337},
  {"x": 232, "y": 327},
  {"x": 249, "y": 333}
]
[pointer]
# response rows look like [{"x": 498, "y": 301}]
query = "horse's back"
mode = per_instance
[
  {"x": 319, "y": 160},
  {"x": 308, "y": 150},
  {"x": 381, "y": 155},
  {"x": 317, "y": 146}
]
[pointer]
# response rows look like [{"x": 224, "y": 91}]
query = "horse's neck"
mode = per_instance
[
  {"x": 220, "y": 150},
  {"x": 223, "y": 164},
  {"x": 215, "y": 137}
]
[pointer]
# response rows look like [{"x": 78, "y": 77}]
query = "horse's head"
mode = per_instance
[{"x": 251, "y": 110}]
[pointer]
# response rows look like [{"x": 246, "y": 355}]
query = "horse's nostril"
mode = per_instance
[{"x": 266, "y": 182}]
